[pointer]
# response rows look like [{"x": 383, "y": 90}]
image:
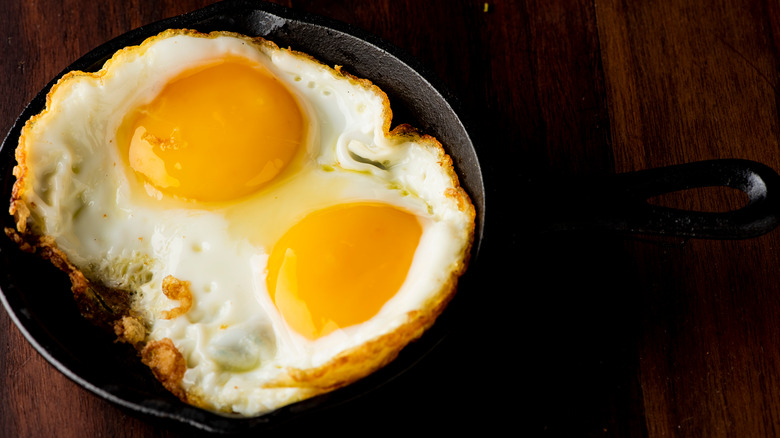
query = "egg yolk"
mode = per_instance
[
  {"x": 216, "y": 133},
  {"x": 337, "y": 267}
]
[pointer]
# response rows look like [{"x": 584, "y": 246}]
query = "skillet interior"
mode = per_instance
[{"x": 89, "y": 357}]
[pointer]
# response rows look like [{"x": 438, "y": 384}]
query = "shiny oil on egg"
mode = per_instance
[{"x": 274, "y": 238}]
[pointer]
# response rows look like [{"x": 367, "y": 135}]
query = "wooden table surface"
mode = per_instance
[{"x": 572, "y": 335}]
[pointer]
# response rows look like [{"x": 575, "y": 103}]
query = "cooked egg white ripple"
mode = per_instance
[{"x": 126, "y": 219}]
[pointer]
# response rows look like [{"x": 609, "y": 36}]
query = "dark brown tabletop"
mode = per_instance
[{"x": 572, "y": 334}]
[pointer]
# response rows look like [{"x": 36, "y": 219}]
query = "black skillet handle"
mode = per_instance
[{"x": 620, "y": 203}]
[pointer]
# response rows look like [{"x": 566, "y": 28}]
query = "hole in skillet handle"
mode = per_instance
[{"x": 619, "y": 203}]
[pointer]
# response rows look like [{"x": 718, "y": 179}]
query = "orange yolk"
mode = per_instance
[
  {"x": 216, "y": 133},
  {"x": 338, "y": 266}
]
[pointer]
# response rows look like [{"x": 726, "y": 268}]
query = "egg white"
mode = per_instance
[{"x": 80, "y": 193}]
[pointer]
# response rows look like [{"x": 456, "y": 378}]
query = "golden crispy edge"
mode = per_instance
[
  {"x": 162, "y": 356},
  {"x": 176, "y": 289},
  {"x": 130, "y": 330},
  {"x": 99, "y": 304},
  {"x": 167, "y": 364}
]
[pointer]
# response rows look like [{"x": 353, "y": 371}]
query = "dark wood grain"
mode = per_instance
[
  {"x": 578, "y": 335},
  {"x": 689, "y": 81}
]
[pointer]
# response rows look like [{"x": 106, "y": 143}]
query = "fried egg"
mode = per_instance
[{"x": 273, "y": 238}]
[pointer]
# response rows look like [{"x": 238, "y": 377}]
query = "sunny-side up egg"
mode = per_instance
[{"x": 273, "y": 239}]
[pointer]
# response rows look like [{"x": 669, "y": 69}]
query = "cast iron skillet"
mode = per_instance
[{"x": 90, "y": 358}]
